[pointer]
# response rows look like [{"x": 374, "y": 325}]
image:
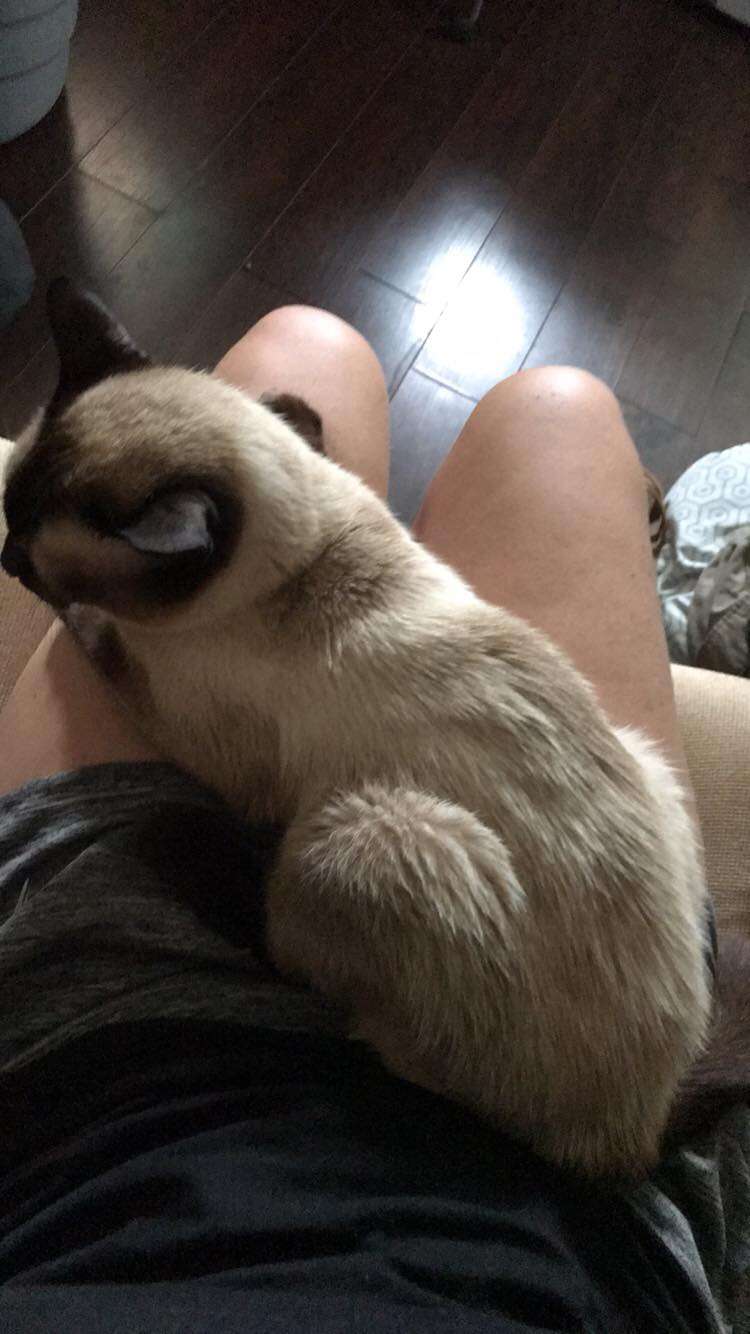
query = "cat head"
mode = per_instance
[{"x": 135, "y": 489}]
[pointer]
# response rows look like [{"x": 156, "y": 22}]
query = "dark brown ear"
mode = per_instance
[
  {"x": 90, "y": 342},
  {"x": 301, "y": 417}
]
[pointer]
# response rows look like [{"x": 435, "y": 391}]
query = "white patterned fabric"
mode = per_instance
[{"x": 706, "y": 506}]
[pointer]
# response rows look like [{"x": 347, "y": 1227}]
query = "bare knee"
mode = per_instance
[
  {"x": 318, "y": 357},
  {"x": 558, "y": 408},
  {"x": 307, "y": 349},
  {"x": 289, "y": 325},
  {"x": 562, "y": 389}
]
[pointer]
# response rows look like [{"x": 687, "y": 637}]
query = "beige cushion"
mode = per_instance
[
  {"x": 714, "y": 713},
  {"x": 23, "y": 618},
  {"x": 23, "y": 622}
]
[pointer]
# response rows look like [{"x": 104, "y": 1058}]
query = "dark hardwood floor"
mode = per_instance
[{"x": 572, "y": 186}]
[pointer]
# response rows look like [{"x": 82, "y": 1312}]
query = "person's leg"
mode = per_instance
[
  {"x": 61, "y": 714},
  {"x": 541, "y": 507},
  {"x": 310, "y": 353}
]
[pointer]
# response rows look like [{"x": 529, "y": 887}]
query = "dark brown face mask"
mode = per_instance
[
  {"x": 174, "y": 537},
  {"x": 91, "y": 346},
  {"x": 15, "y": 561},
  {"x": 133, "y": 557}
]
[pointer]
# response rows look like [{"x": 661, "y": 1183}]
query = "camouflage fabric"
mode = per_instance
[
  {"x": 657, "y": 512},
  {"x": 718, "y": 626},
  {"x": 702, "y": 571}
]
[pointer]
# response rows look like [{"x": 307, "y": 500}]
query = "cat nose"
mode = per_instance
[{"x": 14, "y": 560}]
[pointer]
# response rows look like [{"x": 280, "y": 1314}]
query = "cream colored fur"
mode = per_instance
[
  {"x": 506, "y": 890},
  {"x": 6, "y": 450}
]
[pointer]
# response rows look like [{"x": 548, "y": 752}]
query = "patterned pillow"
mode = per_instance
[{"x": 705, "y": 507}]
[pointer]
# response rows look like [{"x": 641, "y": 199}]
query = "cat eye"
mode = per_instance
[
  {"x": 97, "y": 517},
  {"x": 174, "y": 524}
]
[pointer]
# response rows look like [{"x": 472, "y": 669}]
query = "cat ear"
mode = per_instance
[
  {"x": 301, "y": 417},
  {"x": 90, "y": 342},
  {"x": 173, "y": 525}
]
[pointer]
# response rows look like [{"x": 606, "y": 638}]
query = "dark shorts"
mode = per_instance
[{"x": 189, "y": 1143}]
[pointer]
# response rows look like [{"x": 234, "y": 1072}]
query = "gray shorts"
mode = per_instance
[{"x": 128, "y": 894}]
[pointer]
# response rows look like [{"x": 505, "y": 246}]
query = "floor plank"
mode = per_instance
[
  {"x": 118, "y": 50},
  {"x": 237, "y": 306},
  {"x": 674, "y": 363},
  {"x": 732, "y": 149},
  {"x": 664, "y": 450},
  {"x": 715, "y": 254},
  {"x": 330, "y": 224},
  {"x": 582, "y": 170},
  {"x": 393, "y": 323},
  {"x": 202, "y": 238},
  {"x": 601, "y": 309},
  {"x": 683, "y": 144},
  {"x": 125, "y": 48},
  {"x": 579, "y": 159},
  {"x": 488, "y": 327},
  {"x": 152, "y": 151},
  {"x": 668, "y": 216},
  {"x": 29, "y": 391},
  {"x": 81, "y": 228},
  {"x": 440, "y": 225},
  {"x": 727, "y": 418},
  {"x": 426, "y": 418},
  {"x": 678, "y": 355},
  {"x": 435, "y": 233},
  {"x": 494, "y": 318}
]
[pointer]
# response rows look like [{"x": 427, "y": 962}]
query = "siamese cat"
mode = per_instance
[{"x": 503, "y": 891}]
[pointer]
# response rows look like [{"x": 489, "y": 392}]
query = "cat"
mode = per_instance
[{"x": 502, "y": 890}]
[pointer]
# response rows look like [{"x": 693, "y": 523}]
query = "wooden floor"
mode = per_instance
[{"x": 573, "y": 186}]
